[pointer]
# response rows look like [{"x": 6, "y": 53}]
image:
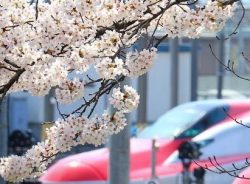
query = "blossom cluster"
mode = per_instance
[
  {"x": 109, "y": 69},
  {"x": 135, "y": 64},
  {"x": 70, "y": 91},
  {"x": 192, "y": 22},
  {"x": 125, "y": 101},
  {"x": 139, "y": 63},
  {"x": 61, "y": 137}
]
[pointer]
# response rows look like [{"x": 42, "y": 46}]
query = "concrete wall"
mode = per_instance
[{"x": 160, "y": 83}]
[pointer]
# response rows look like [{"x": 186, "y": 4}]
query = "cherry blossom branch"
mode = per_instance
[
  {"x": 245, "y": 58},
  {"x": 219, "y": 169},
  {"x": 11, "y": 63},
  {"x": 240, "y": 20},
  {"x": 59, "y": 111},
  {"x": 229, "y": 66},
  {"x": 240, "y": 122},
  {"x": 36, "y": 7},
  {"x": 5, "y": 88},
  {"x": 105, "y": 88}
]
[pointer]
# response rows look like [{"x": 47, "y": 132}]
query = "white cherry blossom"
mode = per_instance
[
  {"x": 139, "y": 63},
  {"x": 70, "y": 91},
  {"x": 110, "y": 69},
  {"x": 125, "y": 101}
]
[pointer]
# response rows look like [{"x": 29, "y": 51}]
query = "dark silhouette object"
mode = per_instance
[
  {"x": 199, "y": 174},
  {"x": 31, "y": 182},
  {"x": 20, "y": 142},
  {"x": 189, "y": 151}
]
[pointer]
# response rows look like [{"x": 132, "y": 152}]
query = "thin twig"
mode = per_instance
[
  {"x": 37, "y": 10},
  {"x": 235, "y": 119},
  {"x": 229, "y": 66}
]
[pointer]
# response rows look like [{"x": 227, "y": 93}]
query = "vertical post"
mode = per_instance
[
  {"x": 221, "y": 67},
  {"x": 142, "y": 89},
  {"x": 3, "y": 130},
  {"x": 153, "y": 159},
  {"x": 119, "y": 165},
  {"x": 4, "y": 127},
  {"x": 49, "y": 107},
  {"x": 186, "y": 179},
  {"x": 142, "y": 107},
  {"x": 174, "y": 71},
  {"x": 194, "y": 70}
]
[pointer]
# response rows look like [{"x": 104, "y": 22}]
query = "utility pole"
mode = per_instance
[
  {"x": 49, "y": 107},
  {"x": 3, "y": 130},
  {"x": 174, "y": 71},
  {"x": 194, "y": 63},
  {"x": 221, "y": 67},
  {"x": 194, "y": 70},
  {"x": 119, "y": 158},
  {"x": 142, "y": 89},
  {"x": 142, "y": 107},
  {"x": 4, "y": 127}
]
